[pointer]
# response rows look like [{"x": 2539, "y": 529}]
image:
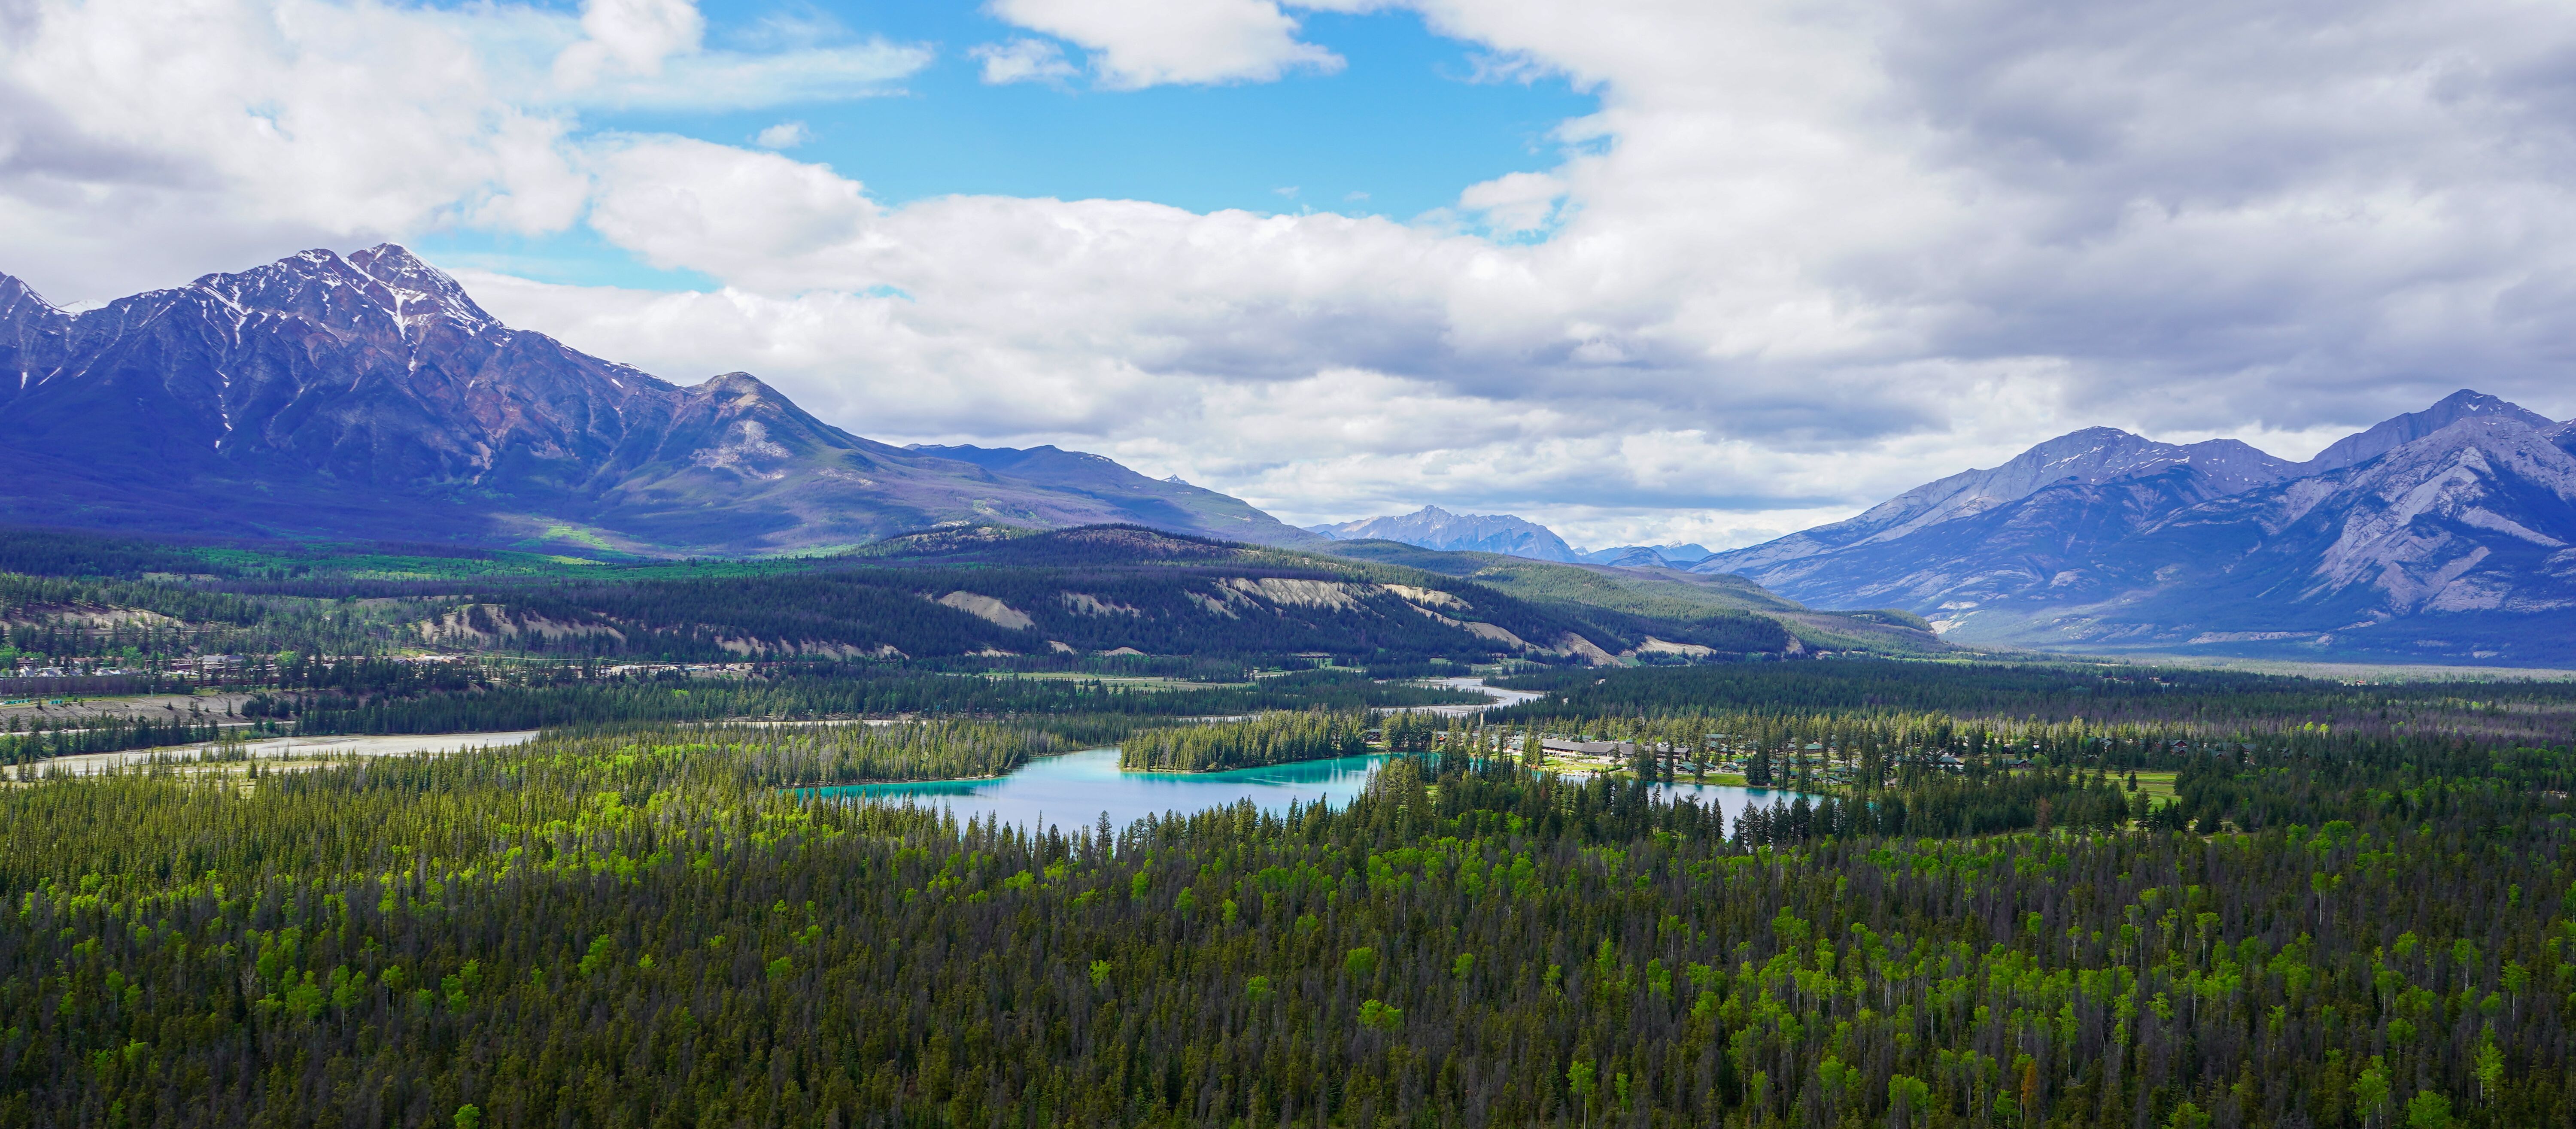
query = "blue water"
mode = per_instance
[{"x": 1073, "y": 790}]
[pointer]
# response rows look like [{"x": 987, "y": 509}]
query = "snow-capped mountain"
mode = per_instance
[
  {"x": 2443, "y": 534},
  {"x": 1434, "y": 528},
  {"x": 368, "y": 395}
]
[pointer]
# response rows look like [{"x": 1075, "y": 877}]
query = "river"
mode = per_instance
[
  {"x": 1075, "y": 789},
  {"x": 1501, "y": 697}
]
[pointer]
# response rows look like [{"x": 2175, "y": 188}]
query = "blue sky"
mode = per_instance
[{"x": 1409, "y": 120}]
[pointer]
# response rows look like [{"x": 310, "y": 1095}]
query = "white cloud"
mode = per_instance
[
  {"x": 1515, "y": 202},
  {"x": 652, "y": 54},
  {"x": 145, "y": 142},
  {"x": 756, "y": 217},
  {"x": 1802, "y": 257},
  {"x": 725, "y": 80},
  {"x": 1140, "y": 43},
  {"x": 631, "y": 36},
  {"x": 1022, "y": 60},
  {"x": 150, "y": 142},
  {"x": 784, "y": 135}
]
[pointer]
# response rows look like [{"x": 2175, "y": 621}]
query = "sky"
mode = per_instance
[{"x": 1646, "y": 272}]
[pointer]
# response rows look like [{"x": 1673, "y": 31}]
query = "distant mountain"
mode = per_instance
[
  {"x": 1434, "y": 528},
  {"x": 1161, "y": 503},
  {"x": 1645, "y": 556},
  {"x": 2092, "y": 456},
  {"x": 370, "y": 396},
  {"x": 2439, "y": 535}
]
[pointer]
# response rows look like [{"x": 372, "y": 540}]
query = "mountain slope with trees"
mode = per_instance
[{"x": 945, "y": 593}]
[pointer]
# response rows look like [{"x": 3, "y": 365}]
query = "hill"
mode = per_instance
[
  {"x": 1664, "y": 593},
  {"x": 949, "y": 593}
]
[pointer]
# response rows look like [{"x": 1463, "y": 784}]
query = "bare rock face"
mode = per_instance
[
  {"x": 368, "y": 395},
  {"x": 2443, "y": 535}
]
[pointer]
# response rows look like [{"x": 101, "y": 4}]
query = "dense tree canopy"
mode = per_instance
[{"x": 627, "y": 929}]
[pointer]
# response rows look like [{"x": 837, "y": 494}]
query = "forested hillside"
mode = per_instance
[{"x": 986, "y": 592}]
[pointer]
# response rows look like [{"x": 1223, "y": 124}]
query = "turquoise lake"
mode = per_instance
[{"x": 1073, "y": 790}]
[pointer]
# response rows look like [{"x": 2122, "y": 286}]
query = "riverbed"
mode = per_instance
[{"x": 284, "y": 753}]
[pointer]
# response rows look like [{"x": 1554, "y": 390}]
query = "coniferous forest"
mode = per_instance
[
  {"x": 1984, "y": 895},
  {"x": 1272, "y": 738},
  {"x": 623, "y": 926}
]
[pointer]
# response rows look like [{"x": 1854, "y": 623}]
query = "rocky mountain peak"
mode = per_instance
[
  {"x": 2487, "y": 441},
  {"x": 2390, "y": 434},
  {"x": 29, "y": 327},
  {"x": 16, "y": 295},
  {"x": 735, "y": 384},
  {"x": 381, "y": 288},
  {"x": 419, "y": 289}
]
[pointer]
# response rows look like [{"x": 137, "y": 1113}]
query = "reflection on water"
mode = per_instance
[{"x": 1075, "y": 789}]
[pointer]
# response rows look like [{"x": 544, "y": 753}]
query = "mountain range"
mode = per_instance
[
  {"x": 1646, "y": 556},
  {"x": 369, "y": 396},
  {"x": 1434, "y": 528},
  {"x": 2440, "y": 535}
]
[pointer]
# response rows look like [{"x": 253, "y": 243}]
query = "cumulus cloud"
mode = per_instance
[
  {"x": 141, "y": 143},
  {"x": 1515, "y": 202},
  {"x": 1801, "y": 258},
  {"x": 1022, "y": 60},
  {"x": 633, "y": 36},
  {"x": 156, "y": 140},
  {"x": 1140, "y": 43}
]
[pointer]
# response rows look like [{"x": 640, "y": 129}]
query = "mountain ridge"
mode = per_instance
[
  {"x": 2435, "y": 535},
  {"x": 370, "y": 395}
]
